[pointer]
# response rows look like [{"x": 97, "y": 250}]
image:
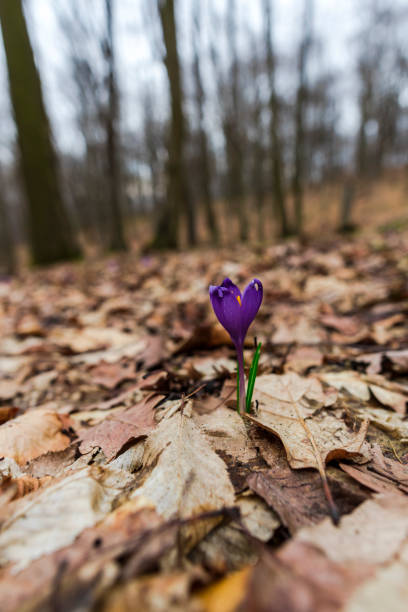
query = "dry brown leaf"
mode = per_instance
[
  {"x": 387, "y": 393},
  {"x": 52, "y": 517},
  {"x": 209, "y": 368},
  {"x": 299, "y": 578},
  {"x": 32, "y": 434},
  {"x": 166, "y": 593},
  {"x": 110, "y": 375},
  {"x": 349, "y": 326},
  {"x": 302, "y": 358},
  {"x": 227, "y": 433},
  {"x": 87, "y": 562},
  {"x": 373, "y": 533},
  {"x": 282, "y": 399},
  {"x": 114, "y": 432},
  {"x": 9, "y": 388},
  {"x": 297, "y": 495},
  {"x": 372, "y": 481},
  {"x": 7, "y": 413},
  {"x": 187, "y": 477},
  {"x": 89, "y": 338}
]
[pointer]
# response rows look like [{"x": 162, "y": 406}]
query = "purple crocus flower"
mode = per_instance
[{"x": 236, "y": 312}]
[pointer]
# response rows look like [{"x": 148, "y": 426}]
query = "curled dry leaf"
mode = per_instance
[
  {"x": 187, "y": 477},
  {"x": 285, "y": 405},
  {"x": 32, "y": 434}
]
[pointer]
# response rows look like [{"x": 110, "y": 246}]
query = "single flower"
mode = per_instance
[{"x": 235, "y": 312}]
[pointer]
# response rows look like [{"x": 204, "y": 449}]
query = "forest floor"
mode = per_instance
[{"x": 129, "y": 481}]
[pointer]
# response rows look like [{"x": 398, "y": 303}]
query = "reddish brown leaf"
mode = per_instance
[{"x": 115, "y": 432}]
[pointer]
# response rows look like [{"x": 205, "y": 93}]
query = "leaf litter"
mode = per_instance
[{"x": 129, "y": 481}]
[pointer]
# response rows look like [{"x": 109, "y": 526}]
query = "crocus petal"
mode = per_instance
[
  {"x": 227, "y": 311},
  {"x": 251, "y": 301},
  {"x": 228, "y": 284}
]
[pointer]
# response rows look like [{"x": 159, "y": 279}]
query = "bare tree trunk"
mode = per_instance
[
  {"x": 258, "y": 151},
  {"x": 233, "y": 132},
  {"x": 300, "y": 111},
  {"x": 346, "y": 225},
  {"x": 178, "y": 195},
  {"x": 7, "y": 260},
  {"x": 116, "y": 241},
  {"x": 50, "y": 233},
  {"x": 205, "y": 172},
  {"x": 278, "y": 189}
]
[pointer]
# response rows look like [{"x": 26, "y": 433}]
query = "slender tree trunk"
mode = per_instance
[
  {"x": 277, "y": 170},
  {"x": 346, "y": 224},
  {"x": 233, "y": 133},
  {"x": 300, "y": 111},
  {"x": 178, "y": 194},
  {"x": 205, "y": 172},
  {"x": 258, "y": 152},
  {"x": 50, "y": 233},
  {"x": 7, "y": 260},
  {"x": 116, "y": 240}
]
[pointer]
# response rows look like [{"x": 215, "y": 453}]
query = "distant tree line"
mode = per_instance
[{"x": 235, "y": 150}]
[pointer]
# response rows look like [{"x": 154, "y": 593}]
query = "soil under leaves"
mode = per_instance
[{"x": 129, "y": 481}]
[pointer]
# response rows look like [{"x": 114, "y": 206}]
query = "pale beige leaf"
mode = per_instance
[
  {"x": 187, "y": 477},
  {"x": 282, "y": 399},
  {"x": 348, "y": 380},
  {"x": 372, "y": 533},
  {"x": 227, "y": 433},
  {"x": 52, "y": 517},
  {"x": 388, "y": 393},
  {"x": 387, "y": 590},
  {"x": 386, "y": 420},
  {"x": 31, "y": 435}
]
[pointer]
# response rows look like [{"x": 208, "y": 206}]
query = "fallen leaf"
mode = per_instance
[
  {"x": 372, "y": 481},
  {"x": 387, "y": 393},
  {"x": 187, "y": 477},
  {"x": 88, "y": 339},
  {"x": 299, "y": 578},
  {"x": 32, "y": 434},
  {"x": 29, "y": 325},
  {"x": 110, "y": 375},
  {"x": 302, "y": 358},
  {"x": 9, "y": 389},
  {"x": 349, "y": 326},
  {"x": 297, "y": 496},
  {"x": 372, "y": 533},
  {"x": 226, "y": 594},
  {"x": 114, "y": 432},
  {"x": 7, "y": 413},
  {"x": 85, "y": 560},
  {"x": 167, "y": 593},
  {"x": 52, "y": 517},
  {"x": 226, "y": 431},
  {"x": 281, "y": 400}
]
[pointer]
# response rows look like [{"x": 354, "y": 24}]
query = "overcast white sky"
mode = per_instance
[{"x": 335, "y": 22}]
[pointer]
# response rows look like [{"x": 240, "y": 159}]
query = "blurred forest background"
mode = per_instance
[{"x": 175, "y": 123}]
